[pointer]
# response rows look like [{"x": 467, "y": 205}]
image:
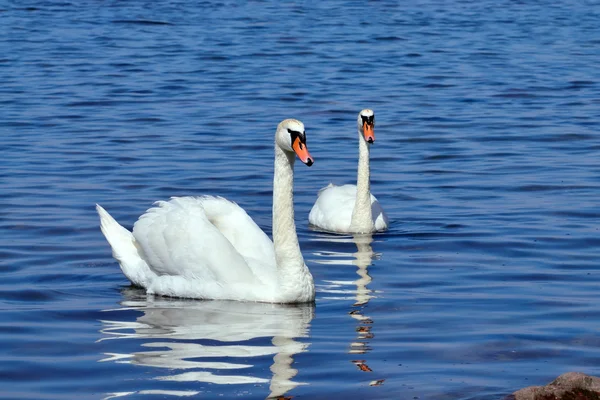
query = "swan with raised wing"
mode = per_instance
[
  {"x": 352, "y": 208},
  {"x": 209, "y": 248}
]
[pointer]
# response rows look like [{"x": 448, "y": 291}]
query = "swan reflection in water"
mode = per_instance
[
  {"x": 360, "y": 295},
  {"x": 218, "y": 329}
]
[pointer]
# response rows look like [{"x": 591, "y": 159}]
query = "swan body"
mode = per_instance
[
  {"x": 209, "y": 248},
  {"x": 334, "y": 207},
  {"x": 352, "y": 208}
]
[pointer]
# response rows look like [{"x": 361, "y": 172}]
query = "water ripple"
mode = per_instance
[{"x": 486, "y": 161}]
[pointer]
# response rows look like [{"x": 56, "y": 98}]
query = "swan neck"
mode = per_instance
[
  {"x": 362, "y": 220},
  {"x": 292, "y": 272}
]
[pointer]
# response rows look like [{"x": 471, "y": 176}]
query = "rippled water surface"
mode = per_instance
[{"x": 486, "y": 160}]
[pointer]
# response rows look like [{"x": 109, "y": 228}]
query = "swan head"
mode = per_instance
[
  {"x": 366, "y": 125},
  {"x": 291, "y": 138}
]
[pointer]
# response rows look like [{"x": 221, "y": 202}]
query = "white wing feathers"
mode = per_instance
[
  {"x": 334, "y": 206},
  {"x": 194, "y": 237},
  {"x": 125, "y": 250},
  {"x": 333, "y": 209}
]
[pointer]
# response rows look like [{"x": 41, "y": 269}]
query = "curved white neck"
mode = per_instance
[
  {"x": 362, "y": 220},
  {"x": 292, "y": 272}
]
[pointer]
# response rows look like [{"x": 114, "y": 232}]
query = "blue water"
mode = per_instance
[{"x": 486, "y": 161}]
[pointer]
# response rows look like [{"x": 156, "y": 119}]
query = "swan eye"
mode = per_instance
[
  {"x": 368, "y": 120},
  {"x": 295, "y": 134}
]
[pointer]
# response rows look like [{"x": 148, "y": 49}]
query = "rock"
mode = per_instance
[{"x": 569, "y": 386}]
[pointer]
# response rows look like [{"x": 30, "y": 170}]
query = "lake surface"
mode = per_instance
[{"x": 486, "y": 160}]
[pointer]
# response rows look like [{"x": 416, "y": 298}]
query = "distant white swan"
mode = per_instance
[
  {"x": 352, "y": 208},
  {"x": 209, "y": 248}
]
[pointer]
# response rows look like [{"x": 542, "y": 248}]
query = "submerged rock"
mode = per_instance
[{"x": 569, "y": 386}]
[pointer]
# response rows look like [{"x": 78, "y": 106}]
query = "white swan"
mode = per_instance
[
  {"x": 209, "y": 248},
  {"x": 352, "y": 208}
]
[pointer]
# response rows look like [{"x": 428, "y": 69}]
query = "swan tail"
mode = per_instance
[{"x": 125, "y": 249}]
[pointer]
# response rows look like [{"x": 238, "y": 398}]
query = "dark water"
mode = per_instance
[{"x": 486, "y": 161}]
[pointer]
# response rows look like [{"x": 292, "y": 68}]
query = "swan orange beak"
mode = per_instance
[
  {"x": 302, "y": 151},
  {"x": 369, "y": 132}
]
